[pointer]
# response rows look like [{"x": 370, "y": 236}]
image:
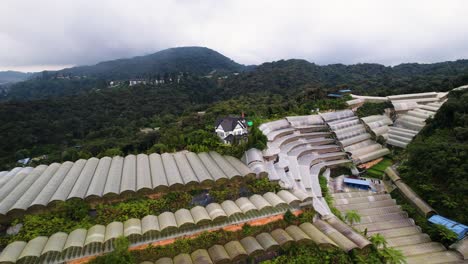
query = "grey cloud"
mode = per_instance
[{"x": 66, "y": 32}]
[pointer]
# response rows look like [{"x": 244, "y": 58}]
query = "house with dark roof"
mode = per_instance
[{"x": 230, "y": 129}]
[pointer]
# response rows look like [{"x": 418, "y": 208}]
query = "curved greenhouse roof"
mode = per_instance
[
  {"x": 22, "y": 189},
  {"x": 238, "y": 250},
  {"x": 151, "y": 227}
]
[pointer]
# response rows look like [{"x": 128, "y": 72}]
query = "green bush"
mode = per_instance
[
  {"x": 368, "y": 109},
  {"x": 310, "y": 254},
  {"x": 289, "y": 217},
  {"x": 120, "y": 255},
  {"x": 262, "y": 185}
]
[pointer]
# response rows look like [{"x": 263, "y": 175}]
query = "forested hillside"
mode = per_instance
[
  {"x": 195, "y": 60},
  {"x": 436, "y": 164},
  {"x": 87, "y": 118},
  {"x": 373, "y": 79},
  {"x": 13, "y": 76},
  {"x": 108, "y": 122},
  {"x": 163, "y": 65},
  {"x": 283, "y": 77}
]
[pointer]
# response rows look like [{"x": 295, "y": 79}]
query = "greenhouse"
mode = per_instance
[
  {"x": 151, "y": 228},
  {"x": 35, "y": 188}
]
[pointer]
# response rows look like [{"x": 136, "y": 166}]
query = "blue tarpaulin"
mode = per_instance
[
  {"x": 458, "y": 228},
  {"x": 362, "y": 184}
]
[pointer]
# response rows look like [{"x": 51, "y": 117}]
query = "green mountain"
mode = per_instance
[
  {"x": 291, "y": 76},
  {"x": 285, "y": 77},
  {"x": 13, "y": 76},
  {"x": 195, "y": 60}
]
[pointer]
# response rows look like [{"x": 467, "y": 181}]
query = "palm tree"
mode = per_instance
[
  {"x": 393, "y": 256},
  {"x": 352, "y": 217},
  {"x": 378, "y": 240}
]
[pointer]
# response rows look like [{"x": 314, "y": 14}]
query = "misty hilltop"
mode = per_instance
[
  {"x": 195, "y": 60},
  {"x": 13, "y": 76}
]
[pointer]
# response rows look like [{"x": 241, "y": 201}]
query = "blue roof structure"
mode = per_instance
[
  {"x": 335, "y": 95},
  {"x": 356, "y": 181},
  {"x": 456, "y": 227}
]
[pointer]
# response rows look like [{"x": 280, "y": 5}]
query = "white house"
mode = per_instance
[{"x": 230, "y": 128}]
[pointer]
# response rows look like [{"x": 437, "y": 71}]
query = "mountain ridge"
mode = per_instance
[
  {"x": 196, "y": 60},
  {"x": 282, "y": 77},
  {"x": 13, "y": 76}
]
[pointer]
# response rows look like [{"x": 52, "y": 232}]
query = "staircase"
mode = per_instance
[{"x": 381, "y": 214}]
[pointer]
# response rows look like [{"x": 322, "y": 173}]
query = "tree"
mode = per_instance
[
  {"x": 352, "y": 217},
  {"x": 112, "y": 152},
  {"x": 443, "y": 234},
  {"x": 392, "y": 256},
  {"x": 378, "y": 240}
]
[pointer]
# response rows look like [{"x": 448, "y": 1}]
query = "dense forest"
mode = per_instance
[
  {"x": 373, "y": 79},
  {"x": 13, "y": 76},
  {"x": 436, "y": 161},
  {"x": 100, "y": 121},
  {"x": 284, "y": 77},
  {"x": 108, "y": 122}
]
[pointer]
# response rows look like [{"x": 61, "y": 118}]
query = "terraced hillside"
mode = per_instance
[{"x": 381, "y": 214}]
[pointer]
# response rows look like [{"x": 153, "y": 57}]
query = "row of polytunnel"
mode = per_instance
[
  {"x": 24, "y": 188},
  {"x": 99, "y": 238},
  {"x": 352, "y": 135},
  {"x": 319, "y": 233},
  {"x": 298, "y": 148},
  {"x": 411, "y": 115},
  {"x": 411, "y": 112}
]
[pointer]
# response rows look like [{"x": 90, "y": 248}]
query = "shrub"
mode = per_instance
[
  {"x": 120, "y": 255},
  {"x": 289, "y": 217}
]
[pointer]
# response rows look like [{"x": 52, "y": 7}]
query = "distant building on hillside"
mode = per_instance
[
  {"x": 24, "y": 161},
  {"x": 135, "y": 82},
  {"x": 231, "y": 129},
  {"x": 334, "y": 95}
]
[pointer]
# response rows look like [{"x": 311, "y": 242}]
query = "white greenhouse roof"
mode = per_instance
[{"x": 23, "y": 188}]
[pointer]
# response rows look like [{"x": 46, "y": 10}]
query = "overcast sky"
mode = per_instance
[{"x": 37, "y": 35}]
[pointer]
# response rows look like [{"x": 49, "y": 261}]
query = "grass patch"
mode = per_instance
[{"x": 377, "y": 171}]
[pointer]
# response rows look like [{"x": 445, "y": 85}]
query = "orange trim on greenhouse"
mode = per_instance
[{"x": 232, "y": 228}]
